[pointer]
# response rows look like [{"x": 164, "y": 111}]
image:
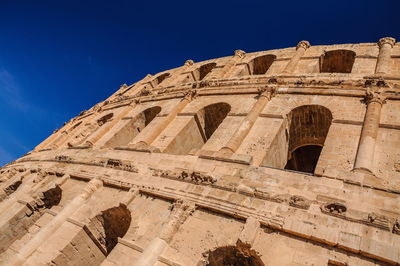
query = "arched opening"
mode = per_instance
[
  {"x": 261, "y": 64},
  {"x": 133, "y": 127},
  {"x": 308, "y": 128},
  {"x": 150, "y": 114},
  {"x": 89, "y": 128},
  {"x": 197, "y": 130},
  {"x": 337, "y": 61},
  {"x": 212, "y": 116},
  {"x": 205, "y": 69},
  {"x": 19, "y": 225},
  {"x": 13, "y": 187},
  {"x": 98, "y": 237},
  {"x": 109, "y": 225},
  {"x": 105, "y": 119},
  {"x": 162, "y": 77},
  {"x": 76, "y": 125},
  {"x": 239, "y": 255}
]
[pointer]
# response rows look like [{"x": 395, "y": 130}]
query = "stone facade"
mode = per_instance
[{"x": 280, "y": 157}]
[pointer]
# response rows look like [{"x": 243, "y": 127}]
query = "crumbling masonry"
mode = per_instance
[{"x": 280, "y": 157}]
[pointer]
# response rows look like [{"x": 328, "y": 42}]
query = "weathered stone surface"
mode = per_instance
[{"x": 281, "y": 157}]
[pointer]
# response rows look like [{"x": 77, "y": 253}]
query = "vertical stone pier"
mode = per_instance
[
  {"x": 234, "y": 142},
  {"x": 149, "y": 138},
  {"x": 366, "y": 148},
  {"x": 301, "y": 48},
  {"x": 384, "y": 58}
]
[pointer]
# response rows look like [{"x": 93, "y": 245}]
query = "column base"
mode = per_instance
[
  {"x": 363, "y": 171},
  {"x": 225, "y": 156},
  {"x": 141, "y": 146}
]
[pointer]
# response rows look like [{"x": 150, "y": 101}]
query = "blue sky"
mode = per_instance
[{"x": 60, "y": 57}]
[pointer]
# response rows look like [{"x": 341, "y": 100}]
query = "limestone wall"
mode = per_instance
[{"x": 280, "y": 157}]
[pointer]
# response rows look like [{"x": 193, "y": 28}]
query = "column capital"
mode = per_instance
[
  {"x": 375, "y": 95},
  {"x": 91, "y": 187},
  {"x": 303, "y": 44},
  {"x": 386, "y": 40},
  {"x": 190, "y": 95},
  {"x": 267, "y": 92},
  {"x": 181, "y": 210},
  {"x": 189, "y": 62},
  {"x": 240, "y": 53}
]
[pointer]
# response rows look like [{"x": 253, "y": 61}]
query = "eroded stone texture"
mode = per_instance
[{"x": 281, "y": 157}]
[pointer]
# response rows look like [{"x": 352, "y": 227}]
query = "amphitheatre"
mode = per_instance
[{"x": 280, "y": 157}]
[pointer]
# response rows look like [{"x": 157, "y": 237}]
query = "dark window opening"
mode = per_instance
[
  {"x": 308, "y": 128},
  {"x": 104, "y": 119},
  {"x": 213, "y": 116},
  {"x": 205, "y": 69},
  {"x": 133, "y": 127},
  {"x": 150, "y": 114},
  {"x": 261, "y": 64},
  {"x": 337, "y": 61},
  {"x": 239, "y": 255},
  {"x": 13, "y": 187},
  {"x": 304, "y": 159},
  {"x": 162, "y": 77}
]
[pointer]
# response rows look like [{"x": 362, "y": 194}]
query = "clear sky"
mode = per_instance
[{"x": 58, "y": 58}]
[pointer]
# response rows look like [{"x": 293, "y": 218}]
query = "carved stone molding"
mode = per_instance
[
  {"x": 299, "y": 202},
  {"x": 180, "y": 212},
  {"x": 379, "y": 221},
  {"x": 375, "y": 95},
  {"x": 334, "y": 208},
  {"x": 386, "y": 40},
  {"x": 190, "y": 95},
  {"x": 267, "y": 92},
  {"x": 186, "y": 175}
]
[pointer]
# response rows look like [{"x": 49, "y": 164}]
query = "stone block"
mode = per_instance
[
  {"x": 350, "y": 242},
  {"x": 379, "y": 250}
]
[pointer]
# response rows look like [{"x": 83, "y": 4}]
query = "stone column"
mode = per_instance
[
  {"x": 236, "y": 140},
  {"x": 156, "y": 131},
  {"x": 63, "y": 136},
  {"x": 239, "y": 55},
  {"x": 178, "y": 216},
  {"x": 249, "y": 231},
  {"x": 300, "y": 50},
  {"x": 366, "y": 147},
  {"x": 384, "y": 58},
  {"x": 45, "y": 232},
  {"x": 97, "y": 135}
]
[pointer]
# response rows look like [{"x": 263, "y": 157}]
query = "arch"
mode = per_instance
[
  {"x": 20, "y": 223},
  {"x": 337, "y": 61},
  {"x": 75, "y": 126},
  {"x": 196, "y": 129},
  {"x": 133, "y": 127},
  {"x": 205, "y": 69},
  {"x": 239, "y": 255},
  {"x": 109, "y": 225},
  {"x": 150, "y": 114},
  {"x": 162, "y": 77},
  {"x": 98, "y": 237},
  {"x": 104, "y": 119},
  {"x": 211, "y": 117},
  {"x": 261, "y": 64},
  {"x": 308, "y": 127},
  {"x": 13, "y": 187}
]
